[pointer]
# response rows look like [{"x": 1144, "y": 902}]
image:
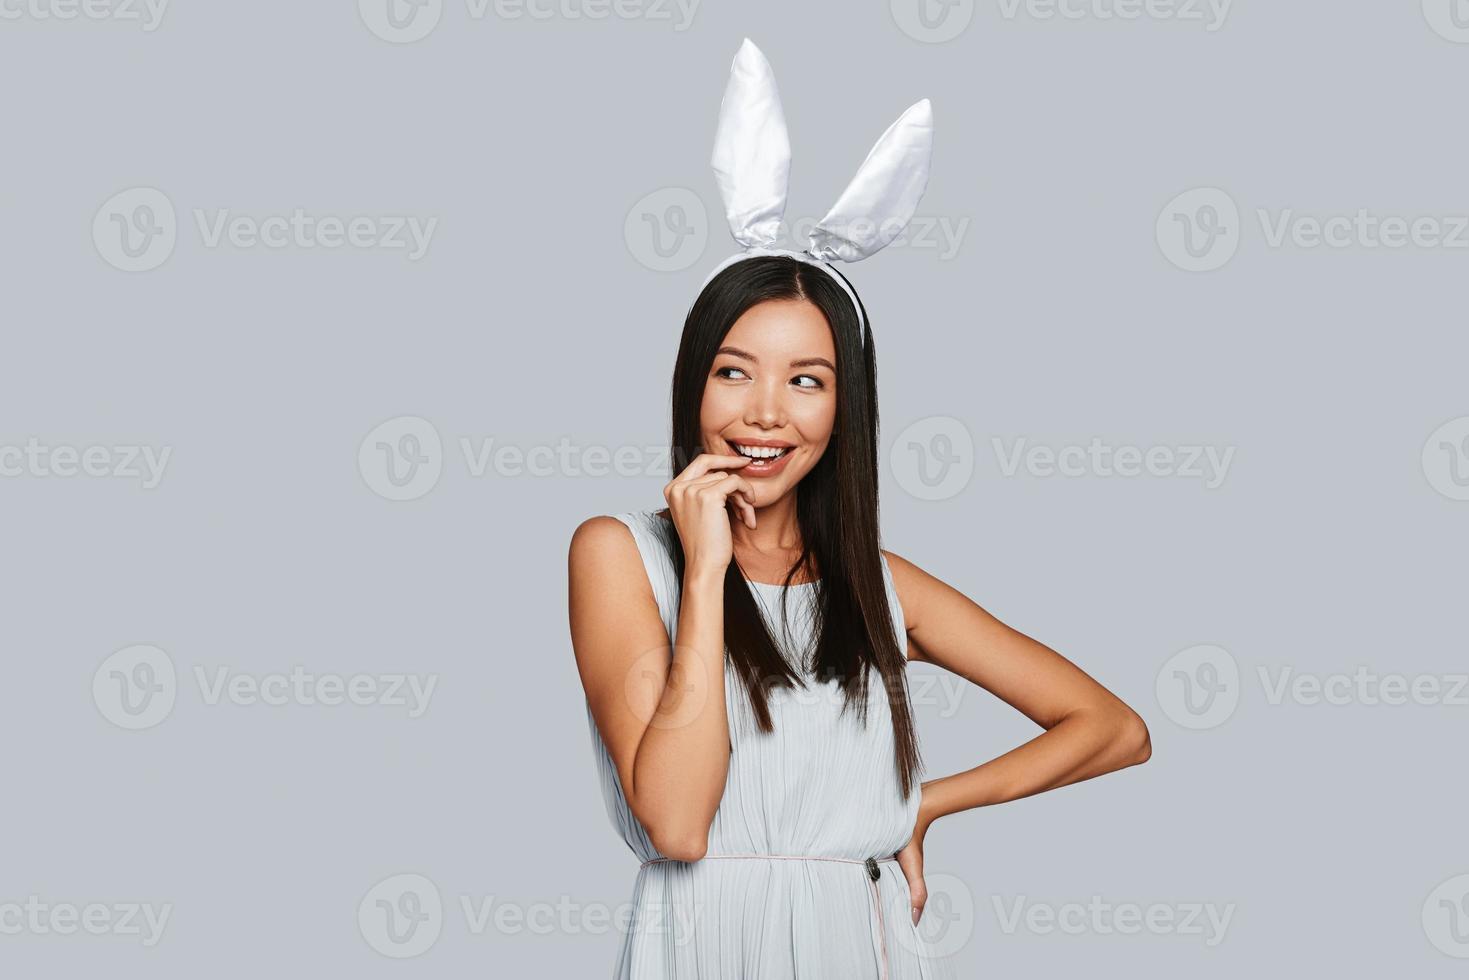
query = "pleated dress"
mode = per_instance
[{"x": 799, "y": 882}]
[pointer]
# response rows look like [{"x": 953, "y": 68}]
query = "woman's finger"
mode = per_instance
[
  {"x": 742, "y": 506},
  {"x": 737, "y": 496},
  {"x": 706, "y": 462},
  {"x": 746, "y": 494},
  {"x": 910, "y": 860},
  {"x": 920, "y": 899}
]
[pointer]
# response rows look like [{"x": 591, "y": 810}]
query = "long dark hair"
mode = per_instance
[{"x": 836, "y": 505}]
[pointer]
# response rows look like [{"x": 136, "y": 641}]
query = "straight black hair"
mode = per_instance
[{"x": 836, "y": 505}]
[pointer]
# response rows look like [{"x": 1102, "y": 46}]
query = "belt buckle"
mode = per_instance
[{"x": 873, "y": 871}]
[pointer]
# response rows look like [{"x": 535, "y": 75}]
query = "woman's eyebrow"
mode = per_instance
[{"x": 800, "y": 362}]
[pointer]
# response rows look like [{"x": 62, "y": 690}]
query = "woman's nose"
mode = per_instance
[{"x": 766, "y": 408}]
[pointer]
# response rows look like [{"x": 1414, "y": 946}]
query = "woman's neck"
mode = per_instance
[{"x": 776, "y": 532}]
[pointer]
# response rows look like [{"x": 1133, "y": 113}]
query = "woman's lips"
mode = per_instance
[{"x": 766, "y": 467}]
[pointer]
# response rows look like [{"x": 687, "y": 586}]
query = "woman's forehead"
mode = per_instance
[{"x": 782, "y": 327}]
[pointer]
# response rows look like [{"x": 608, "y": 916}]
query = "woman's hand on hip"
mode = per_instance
[{"x": 910, "y": 860}]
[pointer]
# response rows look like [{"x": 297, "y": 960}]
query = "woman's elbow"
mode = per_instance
[
  {"x": 680, "y": 846},
  {"x": 674, "y": 837},
  {"x": 1132, "y": 739}
]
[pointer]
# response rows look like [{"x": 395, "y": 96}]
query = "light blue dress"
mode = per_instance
[{"x": 821, "y": 785}]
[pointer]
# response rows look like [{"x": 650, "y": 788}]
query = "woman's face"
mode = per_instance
[{"x": 772, "y": 387}]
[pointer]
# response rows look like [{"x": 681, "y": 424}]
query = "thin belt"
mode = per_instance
[{"x": 873, "y": 873}]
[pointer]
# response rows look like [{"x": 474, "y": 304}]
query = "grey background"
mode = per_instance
[{"x": 533, "y": 317}]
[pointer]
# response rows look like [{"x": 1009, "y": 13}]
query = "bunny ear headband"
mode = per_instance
[{"x": 752, "y": 161}]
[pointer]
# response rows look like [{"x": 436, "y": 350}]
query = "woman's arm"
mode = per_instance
[
  {"x": 663, "y": 720},
  {"x": 1088, "y": 730}
]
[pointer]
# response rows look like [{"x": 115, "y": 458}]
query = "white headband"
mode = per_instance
[{"x": 752, "y": 162}]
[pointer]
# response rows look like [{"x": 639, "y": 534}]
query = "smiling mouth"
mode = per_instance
[{"x": 766, "y": 453}]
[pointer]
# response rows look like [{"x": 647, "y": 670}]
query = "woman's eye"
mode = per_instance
[
  {"x": 720, "y": 371},
  {"x": 814, "y": 382}
]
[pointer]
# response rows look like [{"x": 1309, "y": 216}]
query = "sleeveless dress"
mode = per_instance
[{"x": 784, "y": 892}]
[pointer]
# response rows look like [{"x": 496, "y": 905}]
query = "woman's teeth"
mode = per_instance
[{"x": 761, "y": 452}]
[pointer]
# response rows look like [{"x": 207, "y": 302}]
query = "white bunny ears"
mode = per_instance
[{"x": 752, "y": 162}]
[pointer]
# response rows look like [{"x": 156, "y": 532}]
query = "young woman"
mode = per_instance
[{"x": 743, "y": 652}]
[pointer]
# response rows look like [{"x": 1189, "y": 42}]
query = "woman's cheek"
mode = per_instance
[
  {"x": 816, "y": 425},
  {"x": 715, "y": 413}
]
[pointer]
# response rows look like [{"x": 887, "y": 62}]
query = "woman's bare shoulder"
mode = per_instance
[
  {"x": 602, "y": 542},
  {"x": 904, "y": 571},
  {"x": 606, "y": 555},
  {"x": 913, "y": 585},
  {"x": 606, "y": 575}
]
